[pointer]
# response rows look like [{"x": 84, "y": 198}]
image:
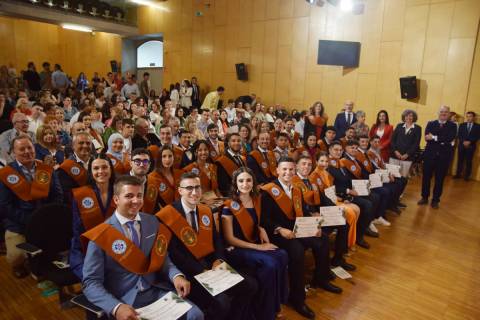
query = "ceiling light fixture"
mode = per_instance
[
  {"x": 76, "y": 27},
  {"x": 149, "y": 3}
]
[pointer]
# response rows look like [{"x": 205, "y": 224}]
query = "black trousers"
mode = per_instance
[
  {"x": 366, "y": 214},
  {"x": 233, "y": 304},
  {"x": 296, "y": 262},
  {"x": 341, "y": 240},
  {"x": 434, "y": 166},
  {"x": 384, "y": 196},
  {"x": 465, "y": 156}
]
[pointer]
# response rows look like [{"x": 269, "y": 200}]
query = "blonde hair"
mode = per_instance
[{"x": 42, "y": 132}]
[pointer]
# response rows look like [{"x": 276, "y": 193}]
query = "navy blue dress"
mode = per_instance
[
  {"x": 268, "y": 267},
  {"x": 41, "y": 152}
]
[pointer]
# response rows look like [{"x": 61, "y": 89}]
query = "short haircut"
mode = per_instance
[
  {"x": 350, "y": 128},
  {"x": 211, "y": 126},
  {"x": 288, "y": 119},
  {"x": 363, "y": 136},
  {"x": 360, "y": 113},
  {"x": 146, "y": 74},
  {"x": 202, "y": 111},
  {"x": 407, "y": 112},
  {"x": 322, "y": 154},
  {"x": 18, "y": 115},
  {"x": 230, "y": 101},
  {"x": 78, "y": 134},
  {"x": 182, "y": 131},
  {"x": 128, "y": 121},
  {"x": 20, "y": 137},
  {"x": 335, "y": 143},
  {"x": 303, "y": 157},
  {"x": 164, "y": 126},
  {"x": 374, "y": 137},
  {"x": 220, "y": 89},
  {"x": 230, "y": 135},
  {"x": 125, "y": 180},
  {"x": 330, "y": 128},
  {"x": 188, "y": 175},
  {"x": 472, "y": 113},
  {"x": 352, "y": 142},
  {"x": 285, "y": 159},
  {"x": 283, "y": 134},
  {"x": 138, "y": 151}
]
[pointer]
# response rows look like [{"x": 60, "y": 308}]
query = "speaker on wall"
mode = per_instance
[
  {"x": 114, "y": 65},
  {"x": 408, "y": 87},
  {"x": 242, "y": 73}
]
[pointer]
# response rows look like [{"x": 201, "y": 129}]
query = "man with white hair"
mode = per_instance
[
  {"x": 20, "y": 126},
  {"x": 440, "y": 136}
]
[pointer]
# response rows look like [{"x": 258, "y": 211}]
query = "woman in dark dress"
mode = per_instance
[
  {"x": 315, "y": 121},
  {"x": 251, "y": 248}
]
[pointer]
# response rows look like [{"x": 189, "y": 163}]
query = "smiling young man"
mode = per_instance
[
  {"x": 230, "y": 161},
  {"x": 262, "y": 161},
  {"x": 196, "y": 247},
  {"x": 127, "y": 264}
]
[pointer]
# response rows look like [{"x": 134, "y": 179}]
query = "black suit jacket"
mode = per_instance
[
  {"x": 139, "y": 142},
  {"x": 406, "y": 143},
  {"x": 184, "y": 259},
  {"x": 472, "y": 136},
  {"x": 341, "y": 124},
  {"x": 442, "y": 147},
  {"x": 223, "y": 178},
  {"x": 257, "y": 171}
]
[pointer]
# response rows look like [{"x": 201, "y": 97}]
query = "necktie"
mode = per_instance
[
  {"x": 349, "y": 117},
  {"x": 193, "y": 222},
  {"x": 469, "y": 127},
  {"x": 133, "y": 232},
  {"x": 238, "y": 161},
  {"x": 307, "y": 183},
  {"x": 265, "y": 155}
]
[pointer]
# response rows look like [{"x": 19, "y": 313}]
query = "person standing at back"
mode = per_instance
[
  {"x": 344, "y": 119},
  {"x": 468, "y": 135}
]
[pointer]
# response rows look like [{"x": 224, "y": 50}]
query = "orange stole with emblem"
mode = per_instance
[
  {"x": 199, "y": 244},
  {"x": 177, "y": 157},
  {"x": 362, "y": 158},
  {"x": 89, "y": 208},
  {"x": 291, "y": 210},
  {"x": 376, "y": 159},
  {"x": 352, "y": 167},
  {"x": 25, "y": 190},
  {"x": 214, "y": 155},
  {"x": 241, "y": 214},
  {"x": 311, "y": 197},
  {"x": 208, "y": 176},
  {"x": 269, "y": 168},
  {"x": 322, "y": 145},
  {"x": 118, "y": 166},
  {"x": 159, "y": 186},
  {"x": 321, "y": 178},
  {"x": 125, "y": 252},
  {"x": 228, "y": 164},
  {"x": 75, "y": 171}
]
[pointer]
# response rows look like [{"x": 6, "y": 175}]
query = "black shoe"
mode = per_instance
[
  {"x": 371, "y": 233},
  {"x": 396, "y": 210},
  {"x": 457, "y": 176},
  {"x": 434, "y": 205},
  {"x": 362, "y": 243},
  {"x": 344, "y": 264},
  {"x": 401, "y": 205},
  {"x": 330, "y": 287},
  {"x": 422, "y": 201},
  {"x": 304, "y": 311}
]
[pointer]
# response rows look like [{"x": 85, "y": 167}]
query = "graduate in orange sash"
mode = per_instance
[
  {"x": 215, "y": 146},
  {"x": 196, "y": 247},
  {"x": 165, "y": 133},
  {"x": 230, "y": 161},
  {"x": 294, "y": 137},
  {"x": 252, "y": 247},
  {"x": 310, "y": 148},
  {"x": 91, "y": 205},
  {"x": 324, "y": 180},
  {"x": 25, "y": 184},
  {"x": 329, "y": 137},
  {"x": 127, "y": 265},
  {"x": 262, "y": 161},
  {"x": 119, "y": 159},
  {"x": 161, "y": 183}
]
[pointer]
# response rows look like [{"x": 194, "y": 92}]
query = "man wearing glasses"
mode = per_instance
[
  {"x": 196, "y": 246},
  {"x": 140, "y": 164},
  {"x": 20, "y": 126}
]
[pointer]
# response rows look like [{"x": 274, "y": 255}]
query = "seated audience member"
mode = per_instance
[
  {"x": 245, "y": 134},
  {"x": 36, "y": 118},
  {"x": 86, "y": 118},
  {"x": 68, "y": 109},
  {"x": 60, "y": 135},
  {"x": 141, "y": 162},
  {"x": 230, "y": 161},
  {"x": 46, "y": 148},
  {"x": 184, "y": 144},
  {"x": 262, "y": 161},
  {"x": 25, "y": 185},
  {"x": 114, "y": 278},
  {"x": 294, "y": 137},
  {"x": 324, "y": 180},
  {"x": 127, "y": 134},
  {"x": 60, "y": 116},
  {"x": 343, "y": 187},
  {"x": 329, "y": 137},
  {"x": 115, "y": 127},
  {"x": 204, "y": 168},
  {"x": 187, "y": 216},
  {"x": 349, "y": 136},
  {"x": 91, "y": 205},
  {"x": 119, "y": 159},
  {"x": 72, "y": 173},
  {"x": 165, "y": 133},
  {"x": 383, "y": 129},
  {"x": 281, "y": 204},
  {"x": 277, "y": 129},
  {"x": 20, "y": 126},
  {"x": 174, "y": 123},
  {"x": 143, "y": 138},
  {"x": 252, "y": 248},
  {"x": 215, "y": 146},
  {"x": 468, "y": 135},
  {"x": 281, "y": 150},
  {"x": 161, "y": 183},
  {"x": 310, "y": 148}
]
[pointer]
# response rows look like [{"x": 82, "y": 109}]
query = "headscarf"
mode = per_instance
[{"x": 111, "y": 139}]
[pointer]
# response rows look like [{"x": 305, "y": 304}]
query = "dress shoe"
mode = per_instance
[
  {"x": 371, "y": 233},
  {"x": 304, "y": 311},
  {"x": 401, "y": 205},
  {"x": 457, "y": 176},
  {"x": 434, "y": 204},
  {"x": 422, "y": 201},
  {"x": 330, "y": 287},
  {"x": 344, "y": 264},
  {"x": 362, "y": 243}
]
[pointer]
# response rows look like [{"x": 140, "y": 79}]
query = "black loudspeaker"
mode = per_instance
[
  {"x": 114, "y": 65},
  {"x": 408, "y": 87},
  {"x": 242, "y": 73}
]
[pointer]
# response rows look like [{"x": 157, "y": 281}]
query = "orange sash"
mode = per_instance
[
  {"x": 125, "y": 252},
  {"x": 208, "y": 176},
  {"x": 291, "y": 210},
  {"x": 273, "y": 139},
  {"x": 228, "y": 164},
  {"x": 90, "y": 212},
  {"x": 159, "y": 186},
  {"x": 294, "y": 139},
  {"x": 321, "y": 178},
  {"x": 25, "y": 190},
  {"x": 177, "y": 157},
  {"x": 118, "y": 166},
  {"x": 333, "y": 162},
  {"x": 311, "y": 197},
  {"x": 154, "y": 151},
  {"x": 214, "y": 155},
  {"x": 318, "y": 121},
  {"x": 363, "y": 159},
  {"x": 199, "y": 244},
  {"x": 352, "y": 167},
  {"x": 75, "y": 171},
  {"x": 322, "y": 145},
  {"x": 343, "y": 141},
  {"x": 269, "y": 168},
  {"x": 244, "y": 219},
  {"x": 377, "y": 160},
  {"x": 304, "y": 151}
]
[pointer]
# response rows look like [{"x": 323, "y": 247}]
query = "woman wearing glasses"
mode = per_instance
[
  {"x": 161, "y": 183},
  {"x": 250, "y": 246},
  {"x": 91, "y": 205},
  {"x": 116, "y": 155}
]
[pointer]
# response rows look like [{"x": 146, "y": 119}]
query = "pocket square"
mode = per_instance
[{"x": 152, "y": 235}]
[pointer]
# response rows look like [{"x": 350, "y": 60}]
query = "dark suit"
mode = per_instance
[
  {"x": 465, "y": 154},
  {"x": 67, "y": 183},
  {"x": 257, "y": 171},
  {"x": 341, "y": 125},
  {"x": 437, "y": 156},
  {"x": 235, "y": 303},
  {"x": 139, "y": 142},
  {"x": 196, "y": 96},
  {"x": 224, "y": 178},
  {"x": 405, "y": 143}
]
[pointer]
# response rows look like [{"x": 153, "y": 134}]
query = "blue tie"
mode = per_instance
[{"x": 130, "y": 225}]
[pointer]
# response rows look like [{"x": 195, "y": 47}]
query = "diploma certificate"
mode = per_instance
[
  {"x": 168, "y": 307},
  {"x": 222, "y": 278},
  {"x": 307, "y": 226}
]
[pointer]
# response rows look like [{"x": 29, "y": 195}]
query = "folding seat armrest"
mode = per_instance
[{"x": 83, "y": 302}]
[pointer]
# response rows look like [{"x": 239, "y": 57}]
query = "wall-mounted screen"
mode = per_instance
[
  {"x": 338, "y": 53},
  {"x": 150, "y": 54}
]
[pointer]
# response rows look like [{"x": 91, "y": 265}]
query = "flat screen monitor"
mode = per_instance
[{"x": 338, "y": 53}]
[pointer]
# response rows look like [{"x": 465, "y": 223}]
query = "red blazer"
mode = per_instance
[{"x": 384, "y": 140}]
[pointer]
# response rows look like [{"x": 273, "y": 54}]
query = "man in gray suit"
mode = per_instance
[{"x": 127, "y": 265}]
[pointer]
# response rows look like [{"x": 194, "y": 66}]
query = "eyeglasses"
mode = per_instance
[
  {"x": 140, "y": 162},
  {"x": 197, "y": 188},
  {"x": 23, "y": 121}
]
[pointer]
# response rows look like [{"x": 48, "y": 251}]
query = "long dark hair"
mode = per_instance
[
  {"x": 235, "y": 194},
  {"x": 196, "y": 146},
  {"x": 158, "y": 162},
  {"x": 377, "y": 123},
  {"x": 90, "y": 180}
]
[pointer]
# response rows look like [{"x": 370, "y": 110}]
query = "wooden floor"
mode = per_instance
[{"x": 426, "y": 266}]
